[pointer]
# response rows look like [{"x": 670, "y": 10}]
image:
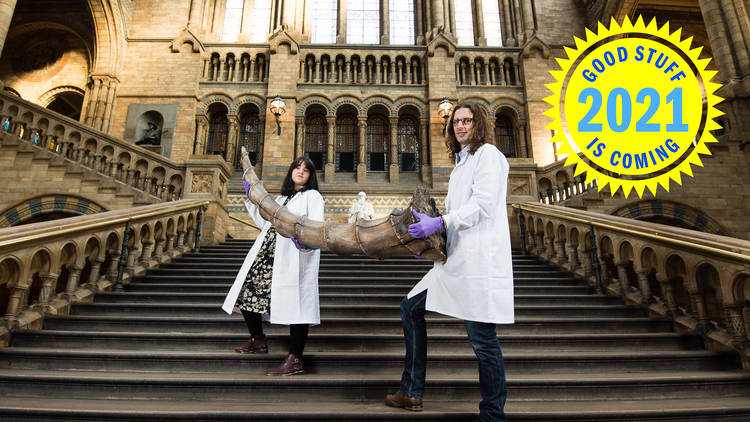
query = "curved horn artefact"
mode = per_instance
[{"x": 381, "y": 238}]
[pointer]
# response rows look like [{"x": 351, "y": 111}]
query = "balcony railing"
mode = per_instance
[
  {"x": 46, "y": 266},
  {"x": 699, "y": 280},
  {"x": 108, "y": 156}
]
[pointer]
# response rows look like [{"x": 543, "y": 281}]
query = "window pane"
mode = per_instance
[
  {"x": 402, "y": 21},
  {"x": 363, "y": 22},
  {"x": 491, "y": 15},
  {"x": 261, "y": 21},
  {"x": 324, "y": 22},
  {"x": 232, "y": 21},
  {"x": 464, "y": 23}
]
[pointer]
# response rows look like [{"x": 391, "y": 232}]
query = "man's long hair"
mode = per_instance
[
  {"x": 480, "y": 130},
  {"x": 287, "y": 187}
]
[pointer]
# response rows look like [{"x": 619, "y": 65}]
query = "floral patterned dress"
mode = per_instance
[{"x": 255, "y": 295}]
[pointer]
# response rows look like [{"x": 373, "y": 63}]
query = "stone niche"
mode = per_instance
[{"x": 163, "y": 116}]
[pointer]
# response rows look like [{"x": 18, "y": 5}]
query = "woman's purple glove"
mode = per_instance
[
  {"x": 297, "y": 244},
  {"x": 247, "y": 188},
  {"x": 425, "y": 225}
]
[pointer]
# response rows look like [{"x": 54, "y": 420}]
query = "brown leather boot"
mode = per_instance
[
  {"x": 255, "y": 344},
  {"x": 403, "y": 401},
  {"x": 291, "y": 365},
  {"x": 259, "y": 344},
  {"x": 246, "y": 348}
]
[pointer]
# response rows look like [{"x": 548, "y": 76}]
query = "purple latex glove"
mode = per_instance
[
  {"x": 247, "y": 188},
  {"x": 297, "y": 244},
  {"x": 425, "y": 225}
]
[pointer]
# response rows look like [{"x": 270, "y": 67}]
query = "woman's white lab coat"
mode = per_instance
[
  {"x": 294, "y": 283},
  {"x": 476, "y": 281}
]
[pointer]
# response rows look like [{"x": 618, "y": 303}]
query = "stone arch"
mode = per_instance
[
  {"x": 247, "y": 99},
  {"x": 305, "y": 103},
  {"x": 109, "y": 33},
  {"x": 68, "y": 92},
  {"x": 369, "y": 103},
  {"x": 337, "y": 103},
  {"x": 211, "y": 100},
  {"x": 34, "y": 209},
  {"x": 410, "y": 102},
  {"x": 670, "y": 213}
]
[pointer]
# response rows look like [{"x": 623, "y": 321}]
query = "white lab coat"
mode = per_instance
[
  {"x": 294, "y": 284},
  {"x": 476, "y": 281}
]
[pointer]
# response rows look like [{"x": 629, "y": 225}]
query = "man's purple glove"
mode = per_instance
[
  {"x": 425, "y": 225},
  {"x": 247, "y": 188},
  {"x": 297, "y": 244}
]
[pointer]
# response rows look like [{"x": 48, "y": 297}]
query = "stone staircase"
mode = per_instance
[
  {"x": 38, "y": 171},
  {"x": 163, "y": 350}
]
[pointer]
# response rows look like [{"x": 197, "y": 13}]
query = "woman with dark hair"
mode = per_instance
[{"x": 279, "y": 278}]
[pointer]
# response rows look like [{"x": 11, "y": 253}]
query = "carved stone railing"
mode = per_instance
[
  {"x": 46, "y": 266},
  {"x": 108, "y": 156},
  {"x": 487, "y": 68},
  {"x": 556, "y": 183},
  {"x": 700, "y": 281},
  {"x": 370, "y": 66},
  {"x": 235, "y": 65}
]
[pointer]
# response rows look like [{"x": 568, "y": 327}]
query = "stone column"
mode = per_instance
[
  {"x": 438, "y": 15},
  {"x": 148, "y": 247},
  {"x": 330, "y": 149},
  {"x": 622, "y": 275},
  {"x": 194, "y": 19},
  {"x": 481, "y": 39},
  {"x": 668, "y": 289},
  {"x": 96, "y": 267},
  {"x": 300, "y": 144},
  {"x": 528, "y": 19},
  {"x": 202, "y": 133},
  {"x": 48, "y": 288},
  {"x": 73, "y": 275},
  {"x": 234, "y": 135},
  {"x": 424, "y": 162},
  {"x": 385, "y": 23},
  {"x": 507, "y": 24},
  {"x": 7, "y": 7},
  {"x": 450, "y": 12},
  {"x": 362, "y": 165},
  {"x": 393, "y": 169},
  {"x": 101, "y": 96},
  {"x": 341, "y": 25},
  {"x": 418, "y": 13}
]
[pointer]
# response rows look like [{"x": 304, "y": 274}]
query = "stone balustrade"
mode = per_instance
[
  {"x": 556, "y": 183},
  {"x": 370, "y": 66},
  {"x": 701, "y": 281},
  {"x": 229, "y": 64},
  {"x": 108, "y": 156},
  {"x": 46, "y": 266},
  {"x": 484, "y": 68}
]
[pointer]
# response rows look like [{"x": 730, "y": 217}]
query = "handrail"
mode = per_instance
[
  {"x": 106, "y": 220},
  {"x": 662, "y": 235},
  {"x": 247, "y": 223}
]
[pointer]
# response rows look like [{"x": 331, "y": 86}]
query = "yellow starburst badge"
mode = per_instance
[{"x": 633, "y": 106}]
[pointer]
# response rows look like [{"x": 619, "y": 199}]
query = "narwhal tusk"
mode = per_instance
[{"x": 381, "y": 238}]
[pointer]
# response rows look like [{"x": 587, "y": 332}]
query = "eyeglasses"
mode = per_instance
[{"x": 466, "y": 121}]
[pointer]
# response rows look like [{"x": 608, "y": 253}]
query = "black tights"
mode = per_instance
[{"x": 297, "y": 332}]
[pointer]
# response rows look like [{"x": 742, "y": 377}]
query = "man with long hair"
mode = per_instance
[{"x": 476, "y": 281}]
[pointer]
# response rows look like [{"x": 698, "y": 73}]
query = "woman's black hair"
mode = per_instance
[{"x": 287, "y": 187}]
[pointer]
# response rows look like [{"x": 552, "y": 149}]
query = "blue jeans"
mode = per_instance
[{"x": 483, "y": 339}]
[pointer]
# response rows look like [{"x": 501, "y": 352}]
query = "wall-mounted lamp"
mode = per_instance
[
  {"x": 444, "y": 112},
  {"x": 278, "y": 107}
]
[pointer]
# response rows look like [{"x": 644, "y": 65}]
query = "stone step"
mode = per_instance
[
  {"x": 210, "y": 294},
  {"x": 255, "y": 387},
  {"x": 359, "y": 310},
  {"x": 435, "y": 325},
  {"x": 227, "y": 280},
  {"x": 724, "y": 409},
  {"x": 330, "y": 364},
  {"x": 350, "y": 342}
]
